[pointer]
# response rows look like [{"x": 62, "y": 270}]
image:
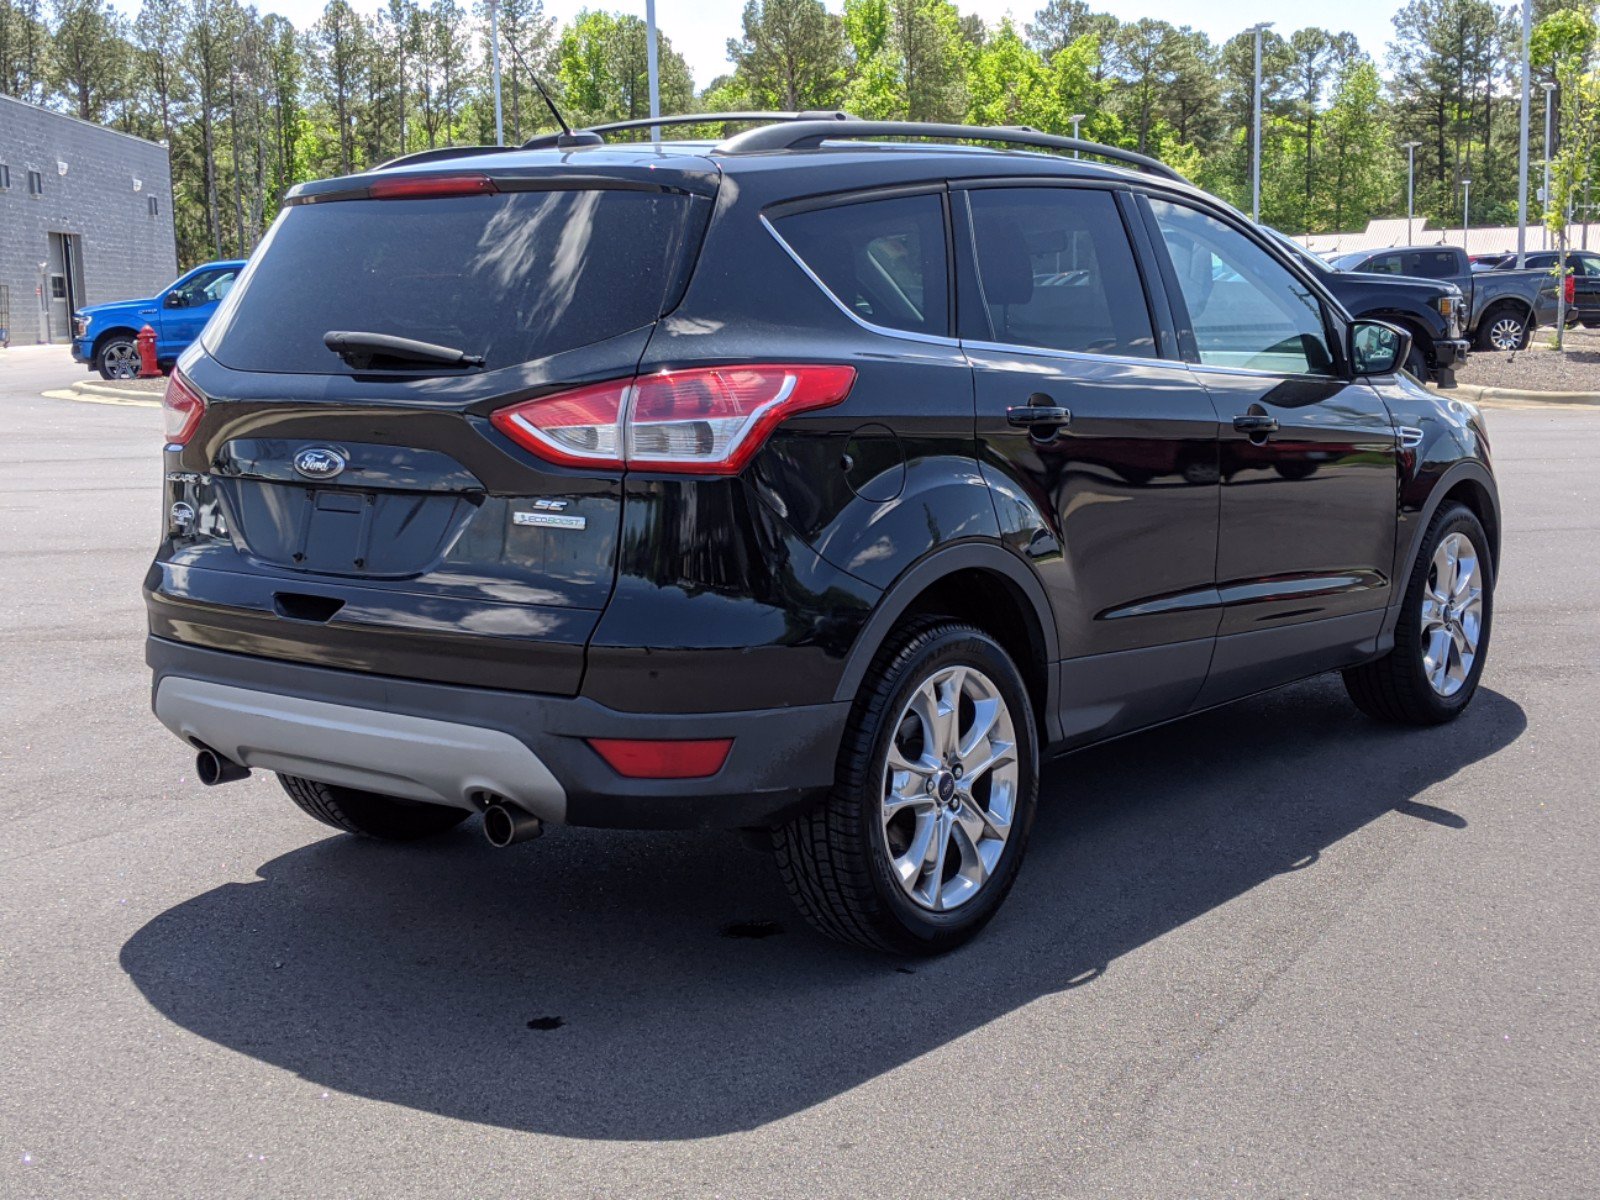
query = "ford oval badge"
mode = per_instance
[{"x": 319, "y": 462}]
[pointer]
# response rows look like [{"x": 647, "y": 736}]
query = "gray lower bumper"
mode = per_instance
[
  {"x": 396, "y": 754},
  {"x": 447, "y": 744}
]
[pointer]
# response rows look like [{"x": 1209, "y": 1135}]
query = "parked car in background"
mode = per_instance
[
  {"x": 1430, "y": 310},
  {"x": 104, "y": 336},
  {"x": 1583, "y": 268},
  {"x": 800, "y": 483},
  {"x": 1503, "y": 307}
]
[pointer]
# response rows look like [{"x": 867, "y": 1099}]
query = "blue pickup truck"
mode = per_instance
[{"x": 103, "y": 335}]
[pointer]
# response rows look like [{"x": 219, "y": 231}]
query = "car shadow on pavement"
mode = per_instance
[{"x": 626, "y": 986}]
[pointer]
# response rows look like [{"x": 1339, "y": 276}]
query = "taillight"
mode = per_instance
[
  {"x": 430, "y": 187},
  {"x": 704, "y": 420},
  {"x": 637, "y": 758},
  {"x": 1572, "y": 289},
  {"x": 181, "y": 409}
]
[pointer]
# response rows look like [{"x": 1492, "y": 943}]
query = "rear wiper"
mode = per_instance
[{"x": 365, "y": 350}]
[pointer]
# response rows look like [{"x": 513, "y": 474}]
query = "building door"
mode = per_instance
[{"x": 63, "y": 285}]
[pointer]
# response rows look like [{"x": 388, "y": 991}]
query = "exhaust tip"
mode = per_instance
[
  {"x": 505, "y": 825},
  {"x": 212, "y": 768}
]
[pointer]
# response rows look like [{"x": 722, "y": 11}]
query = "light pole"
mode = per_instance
[
  {"x": 1466, "y": 211},
  {"x": 651, "y": 66},
  {"x": 1411, "y": 186},
  {"x": 1075, "y": 118},
  {"x": 494, "y": 62},
  {"x": 1549, "y": 123},
  {"x": 1522, "y": 141},
  {"x": 1255, "y": 128}
]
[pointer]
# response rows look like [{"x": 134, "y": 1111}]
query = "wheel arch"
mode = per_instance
[
  {"x": 986, "y": 585},
  {"x": 105, "y": 335}
]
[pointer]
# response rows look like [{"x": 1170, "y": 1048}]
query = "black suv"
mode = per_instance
[{"x": 806, "y": 482}]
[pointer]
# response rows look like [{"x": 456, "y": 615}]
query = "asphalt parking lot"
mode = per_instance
[{"x": 1276, "y": 950}]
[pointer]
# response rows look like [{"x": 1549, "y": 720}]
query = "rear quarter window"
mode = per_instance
[
  {"x": 514, "y": 277},
  {"x": 884, "y": 260}
]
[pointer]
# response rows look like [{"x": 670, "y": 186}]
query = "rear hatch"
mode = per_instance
[{"x": 359, "y": 510}]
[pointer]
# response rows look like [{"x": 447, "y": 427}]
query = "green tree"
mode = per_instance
[
  {"x": 602, "y": 64},
  {"x": 1357, "y": 167},
  {"x": 911, "y": 58},
  {"x": 1010, "y": 84},
  {"x": 791, "y": 56},
  {"x": 91, "y": 56}
]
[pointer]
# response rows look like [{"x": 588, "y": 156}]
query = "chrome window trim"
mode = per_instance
[
  {"x": 927, "y": 339},
  {"x": 1085, "y": 356}
]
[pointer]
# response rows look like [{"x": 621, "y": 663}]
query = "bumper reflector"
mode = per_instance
[{"x": 635, "y": 758}]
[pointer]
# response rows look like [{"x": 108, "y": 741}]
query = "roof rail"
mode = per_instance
[
  {"x": 438, "y": 152},
  {"x": 802, "y": 134},
  {"x": 544, "y": 141}
]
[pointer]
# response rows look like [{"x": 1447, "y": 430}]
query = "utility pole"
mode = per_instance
[
  {"x": 1466, "y": 211},
  {"x": 1411, "y": 187},
  {"x": 650, "y": 60},
  {"x": 1522, "y": 141},
  {"x": 1549, "y": 127},
  {"x": 494, "y": 62},
  {"x": 1255, "y": 128}
]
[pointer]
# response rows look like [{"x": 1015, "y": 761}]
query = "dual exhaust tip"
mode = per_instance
[{"x": 504, "y": 824}]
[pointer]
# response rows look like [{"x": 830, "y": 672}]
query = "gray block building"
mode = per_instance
[{"x": 85, "y": 217}]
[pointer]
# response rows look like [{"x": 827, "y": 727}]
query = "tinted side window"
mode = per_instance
[
  {"x": 1057, "y": 271},
  {"x": 1246, "y": 309},
  {"x": 884, "y": 260},
  {"x": 1432, "y": 264},
  {"x": 1388, "y": 264},
  {"x": 1591, "y": 268}
]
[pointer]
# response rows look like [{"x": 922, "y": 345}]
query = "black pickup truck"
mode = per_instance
[{"x": 1430, "y": 310}]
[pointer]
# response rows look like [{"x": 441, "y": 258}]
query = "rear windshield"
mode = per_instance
[{"x": 512, "y": 277}]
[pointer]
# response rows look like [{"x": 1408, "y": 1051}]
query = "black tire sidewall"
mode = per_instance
[
  {"x": 949, "y": 646},
  {"x": 1453, "y": 518}
]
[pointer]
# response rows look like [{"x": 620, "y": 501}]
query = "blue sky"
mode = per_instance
[{"x": 700, "y": 28}]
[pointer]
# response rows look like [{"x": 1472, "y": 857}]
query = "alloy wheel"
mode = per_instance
[
  {"x": 1506, "y": 334},
  {"x": 121, "y": 360},
  {"x": 949, "y": 788},
  {"x": 1452, "y": 614}
]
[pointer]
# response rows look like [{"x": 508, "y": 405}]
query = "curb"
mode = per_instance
[
  {"x": 90, "y": 387},
  {"x": 1480, "y": 394},
  {"x": 104, "y": 396}
]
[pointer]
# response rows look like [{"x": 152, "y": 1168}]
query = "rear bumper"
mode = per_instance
[{"x": 452, "y": 745}]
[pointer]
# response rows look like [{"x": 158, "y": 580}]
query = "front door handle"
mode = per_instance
[
  {"x": 1256, "y": 424},
  {"x": 1041, "y": 412}
]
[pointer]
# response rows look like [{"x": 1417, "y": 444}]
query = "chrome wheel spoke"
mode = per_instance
[
  {"x": 1451, "y": 616},
  {"x": 949, "y": 787}
]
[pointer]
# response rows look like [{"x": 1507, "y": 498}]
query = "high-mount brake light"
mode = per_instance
[
  {"x": 181, "y": 408},
  {"x": 698, "y": 421},
  {"x": 431, "y": 187}
]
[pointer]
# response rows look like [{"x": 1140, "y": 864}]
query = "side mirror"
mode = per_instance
[
  {"x": 1378, "y": 348},
  {"x": 176, "y": 300}
]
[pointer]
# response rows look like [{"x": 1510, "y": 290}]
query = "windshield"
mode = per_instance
[
  {"x": 512, "y": 277},
  {"x": 1350, "y": 262}
]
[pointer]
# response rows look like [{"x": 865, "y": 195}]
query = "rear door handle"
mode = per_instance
[
  {"x": 1040, "y": 412},
  {"x": 1256, "y": 423}
]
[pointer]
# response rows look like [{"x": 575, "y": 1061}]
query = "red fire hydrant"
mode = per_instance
[{"x": 147, "y": 354}]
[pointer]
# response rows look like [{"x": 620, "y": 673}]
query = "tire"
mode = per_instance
[
  {"x": 1504, "y": 330},
  {"x": 1417, "y": 365},
  {"x": 368, "y": 814},
  {"x": 837, "y": 859},
  {"x": 117, "y": 357},
  {"x": 1403, "y": 687}
]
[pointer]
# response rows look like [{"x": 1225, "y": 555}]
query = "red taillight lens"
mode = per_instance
[
  {"x": 638, "y": 759},
  {"x": 181, "y": 408},
  {"x": 425, "y": 187},
  {"x": 705, "y": 420},
  {"x": 1572, "y": 289},
  {"x": 582, "y": 428}
]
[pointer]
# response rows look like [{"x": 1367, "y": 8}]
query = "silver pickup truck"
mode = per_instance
[{"x": 1503, "y": 308}]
